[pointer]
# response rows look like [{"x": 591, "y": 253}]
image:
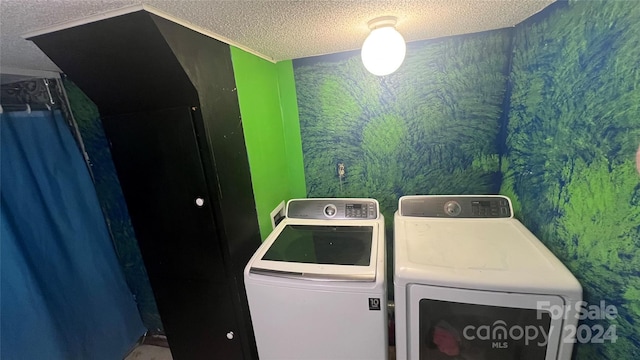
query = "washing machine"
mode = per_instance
[
  {"x": 471, "y": 282},
  {"x": 316, "y": 287}
]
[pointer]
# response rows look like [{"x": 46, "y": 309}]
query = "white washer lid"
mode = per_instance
[
  {"x": 325, "y": 250},
  {"x": 492, "y": 254}
]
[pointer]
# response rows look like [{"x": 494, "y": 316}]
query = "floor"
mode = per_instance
[
  {"x": 149, "y": 352},
  {"x": 152, "y": 352},
  {"x": 156, "y": 348},
  {"x": 151, "y": 347}
]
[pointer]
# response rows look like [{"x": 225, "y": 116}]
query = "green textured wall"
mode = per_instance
[
  {"x": 573, "y": 130},
  {"x": 291, "y": 123},
  {"x": 271, "y": 131},
  {"x": 547, "y": 112},
  {"x": 429, "y": 128}
]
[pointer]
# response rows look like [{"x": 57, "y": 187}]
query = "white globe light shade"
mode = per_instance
[{"x": 383, "y": 51}]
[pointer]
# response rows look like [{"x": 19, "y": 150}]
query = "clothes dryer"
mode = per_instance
[{"x": 471, "y": 282}]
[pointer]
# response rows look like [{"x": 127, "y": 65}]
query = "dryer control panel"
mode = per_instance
[
  {"x": 333, "y": 209},
  {"x": 456, "y": 206}
]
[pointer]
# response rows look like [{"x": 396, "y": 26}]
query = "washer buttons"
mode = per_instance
[{"x": 330, "y": 210}]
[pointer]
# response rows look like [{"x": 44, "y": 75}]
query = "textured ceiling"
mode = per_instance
[{"x": 275, "y": 30}]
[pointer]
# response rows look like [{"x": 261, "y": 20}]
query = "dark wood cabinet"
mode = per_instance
[
  {"x": 170, "y": 112},
  {"x": 160, "y": 168}
]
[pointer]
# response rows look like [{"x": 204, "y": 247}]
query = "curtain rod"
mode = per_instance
[
  {"x": 33, "y": 94},
  {"x": 5, "y": 108}
]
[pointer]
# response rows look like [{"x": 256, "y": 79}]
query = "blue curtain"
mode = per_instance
[{"x": 63, "y": 294}]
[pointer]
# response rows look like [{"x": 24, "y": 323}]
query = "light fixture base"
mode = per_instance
[{"x": 382, "y": 21}]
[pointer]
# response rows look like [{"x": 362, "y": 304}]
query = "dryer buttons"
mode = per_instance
[{"x": 452, "y": 208}]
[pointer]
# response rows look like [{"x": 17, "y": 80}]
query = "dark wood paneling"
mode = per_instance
[
  {"x": 192, "y": 332},
  {"x": 171, "y": 112},
  {"x": 208, "y": 63},
  {"x": 158, "y": 163},
  {"x": 160, "y": 170},
  {"x": 123, "y": 64}
]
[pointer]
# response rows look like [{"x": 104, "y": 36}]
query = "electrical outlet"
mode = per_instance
[{"x": 277, "y": 215}]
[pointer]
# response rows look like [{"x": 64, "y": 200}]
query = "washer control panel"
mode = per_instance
[
  {"x": 460, "y": 206},
  {"x": 333, "y": 209}
]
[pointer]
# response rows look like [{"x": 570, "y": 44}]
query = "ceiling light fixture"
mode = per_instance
[{"x": 384, "y": 49}]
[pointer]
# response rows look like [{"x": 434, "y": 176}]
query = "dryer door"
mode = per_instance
[
  {"x": 471, "y": 324},
  {"x": 320, "y": 252}
]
